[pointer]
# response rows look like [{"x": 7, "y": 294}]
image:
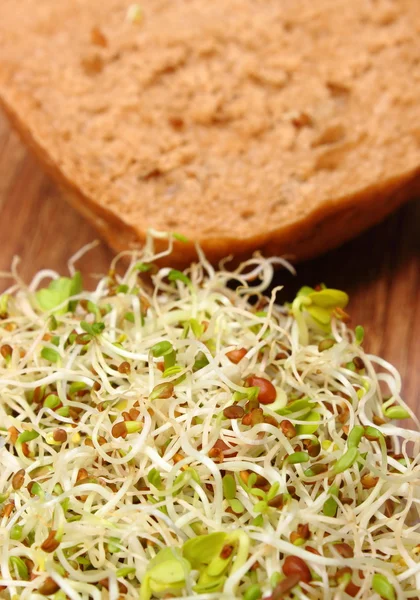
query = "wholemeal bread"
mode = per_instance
[{"x": 282, "y": 125}]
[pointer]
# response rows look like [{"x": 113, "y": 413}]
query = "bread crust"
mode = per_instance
[
  {"x": 323, "y": 229},
  {"x": 236, "y": 169}
]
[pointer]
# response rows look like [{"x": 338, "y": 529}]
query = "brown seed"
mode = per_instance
[
  {"x": 18, "y": 479},
  {"x": 312, "y": 448},
  {"x": 276, "y": 502},
  {"x": 341, "y": 314},
  {"x": 233, "y": 412},
  {"x": 270, "y": 420},
  {"x": 82, "y": 474},
  {"x": 226, "y": 551},
  {"x": 255, "y": 417},
  {"x": 6, "y": 350},
  {"x": 344, "y": 550},
  {"x": 351, "y": 589},
  {"x": 25, "y": 450},
  {"x": 389, "y": 508},
  {"x": 134, "y": 413},
  {"x": 236, "y": 356},
  {"x": 96, "y": 386},
  {"x": 326, "y": 344},
  {"x": 304, "y": 531},
  {"x": 284, "y": 587},
  {"x": 49, "y": 587},
  {"x": 216, "y": 454},
  {"x": 177, "y": 457},
  {"x": 14, "y": 434},
  {"x": 312, "y": 550},
  {"x": 60, "y": 436},
  {"x": 8, "y": 509},
  {"x": 124, "y": 368},
  {"x": 293, "y": 565},
  {"x": 343, "y": 413},
  {"x": 288, "y": 429},
  {"x": 378, "y": 420},
  {"x": 119, "y": 430},
  {"x": 51, "y": 543},
  {"x": 358, "y": 363},
  {"x": 244, "y": 475},
  {"x": 318, "y": 468},
  {"x": 126, "y": 416},
  {"x": 267, "y": 393},
  {"x": 261, "y": 483},
  {"x": 345, "y": 499},
  {"x": 369, "y": 481}
]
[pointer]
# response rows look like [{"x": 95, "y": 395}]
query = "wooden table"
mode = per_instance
[{"x": 380, "y": 269}]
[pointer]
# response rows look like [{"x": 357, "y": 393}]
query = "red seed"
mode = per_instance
[
  {"x": 344, "y": 550},
  {"x": 236, "y": 356},
  {"x": 254, "y": 417},
  {"x": 284, "y": 587},
  {"x": 288, "y": 429},
  {"x": 226, "y": 551},
  {"x": 312, "y": 550},
  {"x": 293, "y": 565},
  {"x": 267, "y": 393},
  {"x": 233, "y": 412}
]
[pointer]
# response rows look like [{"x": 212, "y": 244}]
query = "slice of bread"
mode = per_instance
[{"x": 283, "y": 125}]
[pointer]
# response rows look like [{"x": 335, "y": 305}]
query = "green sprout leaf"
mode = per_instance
[
  {"x": 200, "y": 362},
  {"x": 167, "y": 572},
  {"x": 360, "y": 334},
  {"x": 4, "y": 305},
  {"x": 196, "y": 327},
  {"x": 383, "y": 587},
  {"x": 396, "y": 412},
  {"x": 304, "y": 404},
  {"x": 355, "y": 436},
  {"x": 203, "y": 548},
  {"x": 129, "y": 316},
  {"x": 330, "y": 505},
  {"x": 19, "y": 568},
  {"x": 346, "y": 461},
  {"x": 50, "y": 354},
  {"x": 180, "y": 237},
  {"x": 154, "y": 478},
  {"x": 229, "y": 487},
  {"x": 92, "y": 328},
  {"x": 253, "y": 592},
  {"x": 298, "y": 457},
  {"x": 320, "y": 304},
  {"x": 26, "y": 436},
  {"x": 143, "y": 267},
  {"x": 58, "y": 291},
  {"x": 175, "y": 275},
  {"x": 309, "y": 428}
]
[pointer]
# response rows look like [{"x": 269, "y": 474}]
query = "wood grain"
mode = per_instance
[{"x": 380, "y": 269}]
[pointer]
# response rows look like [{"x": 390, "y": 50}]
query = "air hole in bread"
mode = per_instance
[{"x": 247, "y": 214}]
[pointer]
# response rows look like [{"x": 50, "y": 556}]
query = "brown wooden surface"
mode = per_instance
[{"x": 380, "y": 269}]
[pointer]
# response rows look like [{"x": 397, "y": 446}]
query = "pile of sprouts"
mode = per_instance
[{"x": 179, "y": 435}]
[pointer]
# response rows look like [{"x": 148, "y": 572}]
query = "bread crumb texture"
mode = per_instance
[{"x": 248, "y": 122}]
